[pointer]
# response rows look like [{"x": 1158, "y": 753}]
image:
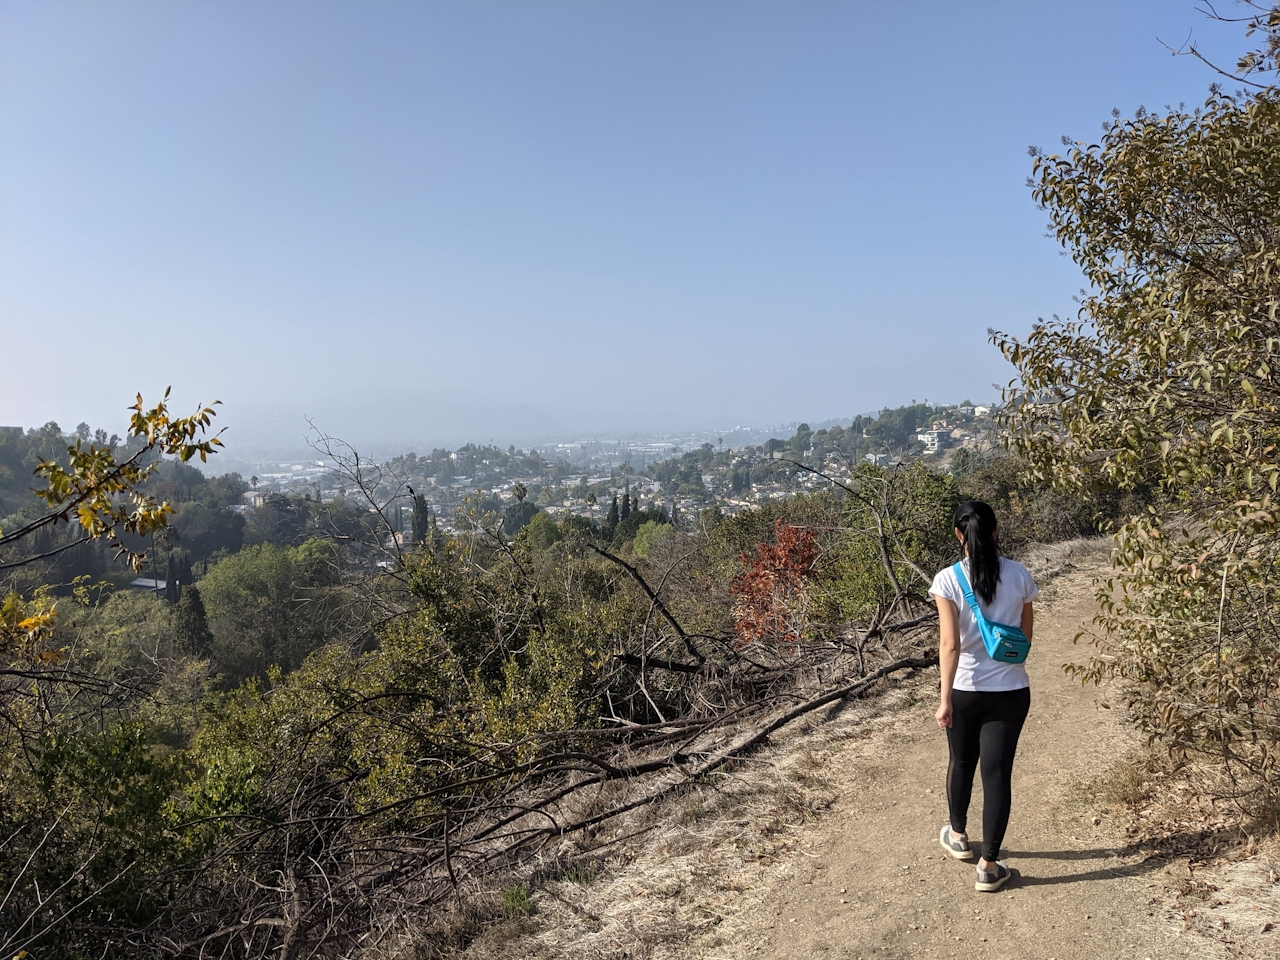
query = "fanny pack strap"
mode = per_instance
[{"x": 968, "y": 595}]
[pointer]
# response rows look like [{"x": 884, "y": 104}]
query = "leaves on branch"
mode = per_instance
[{"x": 100, "y": 493}]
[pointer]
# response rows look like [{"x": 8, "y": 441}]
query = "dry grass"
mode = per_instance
[
  {"x": 1227, "y": 901},
  {"x": 1125, "y": 784},
  {"x": 1220, "y": 886},
  {"x": 657, "y": 884},
  {"x": 1048, "y": 561}
]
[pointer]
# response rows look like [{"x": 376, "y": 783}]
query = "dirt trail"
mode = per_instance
[
  {"x": 823, "y": 844},
  {"x": 872, "y": 881}
]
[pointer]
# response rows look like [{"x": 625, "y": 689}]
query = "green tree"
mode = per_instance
[
  {"x": 611, "y": 519},
  {"x": 516, "y": 515},
  {"x": 895, "y": 429},
  {"x": 204, "y": 528},
  {"x": 650, "y": 535},
  {"x": 191, "y": 633},
  {"x": 270, "y": 605},
  {"x": 282, "y": 519},
  {"x": 1168, "y": 377},
  {"x": 543, "y": 531},
  {"x": 90, "y": 827},
  {"x": 171, "y": 588},
  {"x": 896, "y": 532},
  {"x": 421, "y": 518},
  {"x": 800, "y": 442}
]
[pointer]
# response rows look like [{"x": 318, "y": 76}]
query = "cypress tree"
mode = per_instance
[
  {"x": 171, "y": 590},
  {"x": 626, "y": 506},
  {"x": 611, "y": 518},
  {"x": 191, "y": 631},
  {"x": 421, "y": 519}
]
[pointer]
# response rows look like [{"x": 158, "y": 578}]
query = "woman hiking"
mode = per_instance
[{"x": 985, "y": 690}]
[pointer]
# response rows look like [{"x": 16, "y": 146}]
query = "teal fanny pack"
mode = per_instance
[{"x": 1003, "y": 642}]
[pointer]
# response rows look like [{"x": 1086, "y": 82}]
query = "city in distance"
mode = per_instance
[{"x": 673, "y": 474}]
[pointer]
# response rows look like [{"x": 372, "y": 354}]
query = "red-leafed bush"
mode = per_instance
[{"x": 772, "y": 592}]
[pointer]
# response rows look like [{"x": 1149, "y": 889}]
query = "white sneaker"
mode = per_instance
[
  {"x": 990, "y": 881},
  {"x": 957, "y": 848}
]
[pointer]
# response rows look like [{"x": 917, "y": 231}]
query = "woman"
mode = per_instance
[{"x": 984, "y": 702}]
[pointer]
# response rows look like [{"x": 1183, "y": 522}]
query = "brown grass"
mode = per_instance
[{"x": 648, "y": 885}]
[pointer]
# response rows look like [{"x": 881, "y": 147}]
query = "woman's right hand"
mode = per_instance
[{"x": 943, "y": 716}]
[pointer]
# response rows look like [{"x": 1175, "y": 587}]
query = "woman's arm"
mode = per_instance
[
  {"x": 1028, "y": 619},
  {"x": 948, "y": 655}
]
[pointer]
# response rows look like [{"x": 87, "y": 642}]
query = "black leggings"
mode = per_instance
[{"x": 984, "y": 729}]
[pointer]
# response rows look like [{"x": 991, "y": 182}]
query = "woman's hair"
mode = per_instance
[{"x": 977, "y": 524}]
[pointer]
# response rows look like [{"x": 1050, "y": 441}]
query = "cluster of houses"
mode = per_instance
[
  {"x": 952, "y": 426},
  {"x": 942, "y": 434}
]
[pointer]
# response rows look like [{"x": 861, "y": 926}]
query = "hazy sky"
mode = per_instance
[{"x": 426, "y": 222}]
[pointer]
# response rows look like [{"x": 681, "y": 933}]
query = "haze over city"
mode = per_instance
[{"x": 426, "y": 224}]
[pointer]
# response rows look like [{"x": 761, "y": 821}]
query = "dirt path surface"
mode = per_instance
[
  {"x": 823, "y": 844},
  {"x": 872, "y": 882}
]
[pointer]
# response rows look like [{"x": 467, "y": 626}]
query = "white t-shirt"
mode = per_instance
[{"x": 977, "y": 671}]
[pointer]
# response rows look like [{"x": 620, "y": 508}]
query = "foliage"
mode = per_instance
[
  {"x": 191, "y": 633},
  {"x": 1264, "y": 58},
  {"x": 896, "y": 429},
  {"x": 771, "y": 593},
  {"x": 650, "y": 535},
  {"x": 543, "y": 531},
  {"x": 1032, "y": 511},
  {"x": 100, "y": 493},
  {"x": 517, "y": 516},
  {"x": 421, "y": 518},
  {"x": 26, "y": 626},
  {"x": 1168, "y": 378},
  {"x": 628, "y": 527},
  {"x": 203, "y": 529},
  {"x": 89, "y": 828},
  {"x": 268, "y": 605},
  {"x": 116, "y": 634},
  {"x": 516, "y": 901},
  {"x": 281, "y": 519},
  {"x": 330, "y": 730},
  {"x": 895, "y": 532}
]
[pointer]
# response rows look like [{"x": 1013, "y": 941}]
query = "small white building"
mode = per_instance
[{"x": 933, "y": 440}]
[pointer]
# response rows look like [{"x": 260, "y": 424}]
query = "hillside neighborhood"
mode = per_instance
[{"x": 677, "y": 475}]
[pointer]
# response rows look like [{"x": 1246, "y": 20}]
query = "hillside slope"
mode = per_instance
[{"x": 824, "y": 845}]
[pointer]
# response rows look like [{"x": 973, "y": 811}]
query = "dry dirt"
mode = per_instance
[
  {"x": 1077, "y": 891},
  {"x": 825, "y": 846}
]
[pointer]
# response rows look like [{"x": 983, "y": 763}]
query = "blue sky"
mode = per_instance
[{"x": 422, "y": 222}]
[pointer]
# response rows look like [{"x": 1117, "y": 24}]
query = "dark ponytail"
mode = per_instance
[{"x": 977, "y": 524}]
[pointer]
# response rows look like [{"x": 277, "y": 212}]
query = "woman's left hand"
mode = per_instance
[{"x": 943, "y": 716}]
